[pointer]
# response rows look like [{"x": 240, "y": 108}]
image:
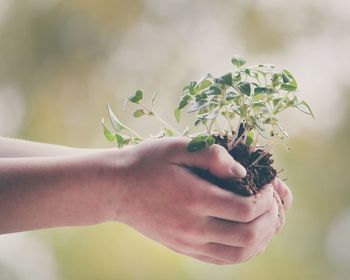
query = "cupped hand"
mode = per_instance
[{"x": 156, "y": 193}]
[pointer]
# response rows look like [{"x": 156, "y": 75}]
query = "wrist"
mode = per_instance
[{"x": 109, "y": 175}]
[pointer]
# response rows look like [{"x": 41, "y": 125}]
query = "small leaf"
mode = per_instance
[
  {"x": 245, "y": 88},
  {"x": 139, "y": 113},
  {"x": 231, "y": 96},
  {"x": 168, "y": 132},
  {"x": 198, "y": 106},
  {"x": 192, "y": 86},
  {"x": 288, "y": 87},
  {"x": 285, "y": 78},
  {"x": 120, "y": 140},
  {"x": 275, "y": 101},
  {"x": 116, "y": 123},
  {"x": 154, "y": 97},
  {"x": 197, "y": 143},
  {"x": 107, "y": 133},
  {"x": 185, "y": 99},
  {"x": 259, "y": 90},
  {"x": 213, "y": 90},
  {"x": 305, "y": 108},
  {"x": 137, "y": 97},
  {"x": 210, "y": 140},
  {"x": 227, "y": 79},
  {"x": 177, "y": 114},
  {"x": 238, "y": 61},
  {"x": 212, "y": 115},
  {"x": 250, "y": 138},
  {"x": 203, "y": 85}
]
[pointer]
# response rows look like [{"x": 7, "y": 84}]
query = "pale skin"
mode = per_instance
[{"x": 149, "y": 187}]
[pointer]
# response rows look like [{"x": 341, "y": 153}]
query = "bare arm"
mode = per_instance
[
  {"x": 148, "y": 187},
  {"x": 10, "y": 148},
  {"x": 45, "y": 192}
]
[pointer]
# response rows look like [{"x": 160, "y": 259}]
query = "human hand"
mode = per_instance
[{"x": 155, "y": 192}]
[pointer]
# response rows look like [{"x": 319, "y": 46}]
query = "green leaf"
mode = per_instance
[
  {"x": 227, "y": 79},
  {"x": 238, "y": 61},
  {"x": 288, "y": 74},
  {"x": 197, "y": 143},
  {"x": 120, "y": 140},
  {"x": 108, "y": 134},
  {"x": 250, "y": 138},
  {"x": 137, "y": 97},
  {"x": 177, "y": 114},
  {"x": 192, "y": 87},
  {"x": 212, "y": 115},
  {"x": 139, "y": 113},
  {"x": 198, "y": 106},
  {"x": 210, "y": 140},
  {"x": 116, "y": 123},
  {"x": 213, "y": 90},
  {"x": 289, "y": 82},
  {"x": 203, "y": 85},
  {"x": 185, "y": 99},
  {"x": 168, "y": 132},
  {"x": 276, "y": 100},
  {"x": 288, "y": 87},
  {"x": 245, "y": 88},
  {"x": 305, "y": 108},
  {"x": 259, "y": 90},
  {"x": 231, "y": 96},
  {"x": 285, "y": 78}
]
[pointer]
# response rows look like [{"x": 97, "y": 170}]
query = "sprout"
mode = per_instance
[{"x": 248, "y": 100}]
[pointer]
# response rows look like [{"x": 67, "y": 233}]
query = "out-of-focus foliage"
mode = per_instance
[{"x": 61, "y": 62}]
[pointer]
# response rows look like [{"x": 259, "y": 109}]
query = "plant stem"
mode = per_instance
[
  {"x": 160, "y": 119},
  {"x": 222, "y": 102},
  {"x": 132, "y": 131}
]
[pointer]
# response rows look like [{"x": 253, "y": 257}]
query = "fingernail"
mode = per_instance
[{"x": 238, "y": 170}]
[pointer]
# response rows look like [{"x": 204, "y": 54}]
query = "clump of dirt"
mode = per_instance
[{"x": 258, "y": 164}]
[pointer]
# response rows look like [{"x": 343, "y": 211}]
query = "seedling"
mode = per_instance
[{"x": 238, "y": 110}]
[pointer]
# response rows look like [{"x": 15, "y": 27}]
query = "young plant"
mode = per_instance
[{"x": 235, "y": 110}]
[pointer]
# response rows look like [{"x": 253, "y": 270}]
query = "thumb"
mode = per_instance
[{"x": 215, "y": 159}]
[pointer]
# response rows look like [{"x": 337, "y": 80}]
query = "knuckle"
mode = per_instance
[
  {"x": 182, "y": 246},
  {"x": 191, "y": 231},
  {"x": 250, "y": 237},
  {"x": 238, "y": 256},
  {"x": 247, "y": 210},
  {"x": 191, "y": 200},
  {"x": 216, "y": 152}
]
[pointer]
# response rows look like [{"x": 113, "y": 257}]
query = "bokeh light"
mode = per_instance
[{"x": 62, "y": 61}]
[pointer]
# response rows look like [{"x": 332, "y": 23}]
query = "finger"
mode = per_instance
[
  {"x": 284, "y": 193},
  {"x": 201, "y": 257},
  {"x": 215, "y": 159},
  {"x": 207, "y": 259},
  {"x": 220, "y": 203},
  {"x": 228, "y": 254},
  {"x": 242, "y": 234},
  {"x": 281, "y": 215}
]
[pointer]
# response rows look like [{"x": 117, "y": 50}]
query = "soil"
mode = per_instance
[{"x": 259, "y": 172}]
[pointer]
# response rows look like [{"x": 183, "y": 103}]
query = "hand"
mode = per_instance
[{"x": 156, "y": 193}]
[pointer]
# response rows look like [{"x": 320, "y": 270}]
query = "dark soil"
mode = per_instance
[{"x": 259, "y": 173}]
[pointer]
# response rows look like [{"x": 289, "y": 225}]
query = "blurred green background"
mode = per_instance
[{"x": 62, "y": 61}]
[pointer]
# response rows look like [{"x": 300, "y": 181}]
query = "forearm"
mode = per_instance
[
  {"x": 10, "y": 148},
  {"x": 48, "y": 192}
]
